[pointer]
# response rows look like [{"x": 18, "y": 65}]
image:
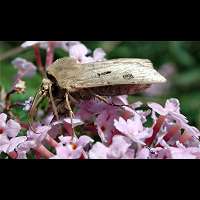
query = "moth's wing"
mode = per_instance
[
  {"x": 117, "y": 72},
  {"x": 69, "y": 74}
]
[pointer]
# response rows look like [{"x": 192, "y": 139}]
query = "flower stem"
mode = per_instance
[
  {"x": 172, "y": 131},
  {"x": 38, "y": 59},
  {"x": 50, "y": 53},
  {"x": 156, "y": 128},
  {"x": 51, "y": 142},
  {"x": 43, "y": 151}
]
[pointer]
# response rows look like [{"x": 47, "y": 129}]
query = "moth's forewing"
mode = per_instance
[{"x": 125, "y": 71}]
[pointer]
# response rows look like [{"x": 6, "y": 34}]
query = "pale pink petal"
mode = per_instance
[
  {"x": 14, "y": 142},
  {"x": 172, "y": 105},
  {"x": 21, "y": 155},
  {"x": 98, "y": 151},
  {"x": 84, "y": 140},
  {"x": 4, "y": 147},
  {"x": 86, "y": 59},
  {"x": 99, "y": 54},
  {"x": 121, "y": 125},
  {"x": 25, "y": 68},
  {"x": 12, "y": 128},
  {"x": 78, "y": 51},
  {"x": 157, "y": 108},
  {"x": 177, "y": 153},
  {"x": 3, "y": 118},
  {"x": 65, "y": 139},
  {"x": 62, "y": 152},
  {"x": 3, "y": 139},
  {"x": 119, "y": 147},
  {"x": 178, "y": 117},
  {"x": 143, "y": 153}
]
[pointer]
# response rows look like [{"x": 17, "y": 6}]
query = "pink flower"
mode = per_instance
[
  {"x": 34, "y": 139},
  {"x": 143, "y": 153},
  {"x": 89, "y": 108},
  {"x": 71, "y": 149},
  {"x": 98, "y": 151},
  {"x": 80, "y": 51},
  {"x": 8, "y": 134},
  {"x": 10, "y": 128},
  {"x": 172, "y": 113},
  {"x": 99, "y": 54},
  {"x": 25, "y": 68},
  {"x": 105, "y": 124},
  {"x": 133, "y": 129},
  {"x": 119, "y": 149}
]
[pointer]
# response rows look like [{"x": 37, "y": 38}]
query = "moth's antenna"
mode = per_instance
[{"x": 36, "y": 100}]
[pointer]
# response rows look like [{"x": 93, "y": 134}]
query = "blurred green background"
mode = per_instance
[{"x": 183, "y": 56}]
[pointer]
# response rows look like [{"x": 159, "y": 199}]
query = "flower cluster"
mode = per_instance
[{"x": 103, "y": 131}]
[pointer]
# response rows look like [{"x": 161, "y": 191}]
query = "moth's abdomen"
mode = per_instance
[{"x": 115, "y": 90}]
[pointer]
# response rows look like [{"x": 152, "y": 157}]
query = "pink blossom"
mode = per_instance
[
  {"x": 90, "y": 108},
  {"x": 10, "y": 128},
  {"x": 98, "y": 151},
  {"x": 8, "y": 134},
  {"x": 99, "y": 54},
  {"x": 71, "y": 149},
  {"x": 143, "y": 153},
  {"x": 105, "y": 124},
  {"x": 36, "y": 138},
  {"x": 119, "y": 149},
  {"x": 172, "y": 113},
  {"x": 133, "y": 128},
  {"x": 80, "y": 51},
  {"x": 25, "y": 68}
]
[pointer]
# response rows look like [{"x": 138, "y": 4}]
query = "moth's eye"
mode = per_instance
[{"x": 50, "y": 77}]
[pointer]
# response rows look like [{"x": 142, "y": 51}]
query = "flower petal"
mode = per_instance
[{"x": 12, "y": 128}]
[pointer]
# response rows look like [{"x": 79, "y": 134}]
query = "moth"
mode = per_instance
[{"x": 66, "y": 80}]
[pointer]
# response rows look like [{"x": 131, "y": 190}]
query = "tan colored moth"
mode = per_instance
[{"x": 66, "y": 78}]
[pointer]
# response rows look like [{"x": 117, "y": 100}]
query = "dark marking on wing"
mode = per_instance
[
  {"x": 128, "y": 76},
  {"x": 103, "y": 73}
]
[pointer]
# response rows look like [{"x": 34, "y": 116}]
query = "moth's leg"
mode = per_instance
[
  {"x": 106, "y": 101},
  {"x": 52, "y": 102},
  {"x": 71, "y": 114},
  {"x": 102, "y": 99},
  {"x": 73, "y": 99}
]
